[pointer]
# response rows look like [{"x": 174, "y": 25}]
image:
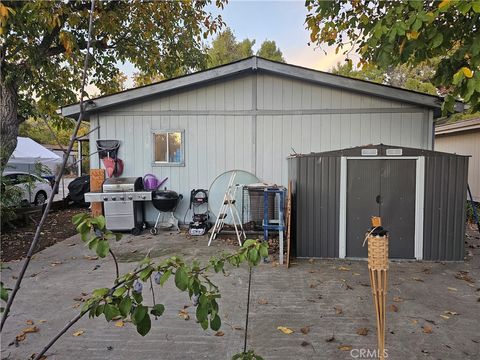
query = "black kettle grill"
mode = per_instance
[{"x": 165, "y": 201}]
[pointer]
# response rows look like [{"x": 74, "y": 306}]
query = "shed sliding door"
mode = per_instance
[{"x": 386, "y": 188}]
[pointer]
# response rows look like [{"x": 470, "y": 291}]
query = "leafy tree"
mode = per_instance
[
  {"x": 407, "y": 32},
  {"x": 226, "y": 49},
  {"x": 43, "y": 44},
  {"x": 269, "y": 50},
  {"x": 141, "y": 79},
  {"x": 415, "y": 78},
  {"x": 116, "y": 84}
]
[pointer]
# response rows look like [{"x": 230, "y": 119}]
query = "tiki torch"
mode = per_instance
[{"x": 378, "y": 268}]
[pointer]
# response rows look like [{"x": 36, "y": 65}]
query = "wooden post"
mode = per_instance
[{"x": 97, "y": 177}]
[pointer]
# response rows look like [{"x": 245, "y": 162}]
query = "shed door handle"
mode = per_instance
[{"x": 378, "y": 199}]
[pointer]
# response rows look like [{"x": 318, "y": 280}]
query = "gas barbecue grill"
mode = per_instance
[{"x": 122, "y": 203}]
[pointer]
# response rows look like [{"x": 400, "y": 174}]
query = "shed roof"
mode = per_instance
[
  {"x": 466, "y": 125},
  {"x": 257, "y": 64},
  {"x": 382, "y": 149}
]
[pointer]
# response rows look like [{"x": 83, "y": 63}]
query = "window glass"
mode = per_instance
[
  {"x": 169, "y": 147},
  {"x": 175, "y": 147},
  {"x": 161, "y": 147}
]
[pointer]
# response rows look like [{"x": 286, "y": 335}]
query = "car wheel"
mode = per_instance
[{"x": 40, "y": 198}]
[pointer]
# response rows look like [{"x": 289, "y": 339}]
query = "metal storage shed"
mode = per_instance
[{"x": 420, "y": 195}]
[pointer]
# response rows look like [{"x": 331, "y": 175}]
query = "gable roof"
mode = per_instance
[
  {"x": 467, "y": 125},
  {"x": 257, "y": 64}
]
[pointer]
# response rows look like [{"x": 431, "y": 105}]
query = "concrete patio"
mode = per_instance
[{"x": 434, "y": 314}]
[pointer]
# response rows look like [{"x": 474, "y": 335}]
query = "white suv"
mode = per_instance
[{"x": 35, "y": 190}]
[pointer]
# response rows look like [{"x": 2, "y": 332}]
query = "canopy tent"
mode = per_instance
[{"x": 28, "y": 153}]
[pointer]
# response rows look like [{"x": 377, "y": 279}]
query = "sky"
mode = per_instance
[{"x": 279, "y": 20}]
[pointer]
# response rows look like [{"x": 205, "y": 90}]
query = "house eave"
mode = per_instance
[{"x": 254, "y": 64}]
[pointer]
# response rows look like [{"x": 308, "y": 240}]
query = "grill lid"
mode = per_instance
[{"x": 123, "y": 184}]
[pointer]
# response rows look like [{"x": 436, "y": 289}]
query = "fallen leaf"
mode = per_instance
[
  {"x": 238, "y": 327},
  {"x": 397, "y": 299},
  {"x": 348, "y": 287},
  {"x": 285, "y": 330},
  {"x": 451, "y": 288},
  {"x": 20, "y": 337},
  {"x": 312, "y": 286},
  {"x": 311, "y": 261},
  {"x": 262, "y": 301},
  {"x": 463, "y": 275},
  {"x": 344, "y": 347},
  {"x": 42, "y": 321},
  {"x": 29, "y": 322},
  {"x": 330, "y": 339},
  {"x": 76, "y": 305},
  {"x": 414, "y": 321},
  {"x": 304, "y": 343},
  {"x": 184, "y": 314},
  {"x": 362, "y": 331},
  {"x": 78, "y": 333},
  {"x": 119, "y": 323},
  {"x": 338, "y": 310},
  {"x": 33, "y": 275},
  {"x": 305, "y": 330},
  {"x": 445, "y": 317},
  {"x": 393, "y": 308},
  {"x": 343, "y": 268},
  {"x": 450, "y": 312},
  {"x": 219, "y": 333},
  {"x": 427, "y": 329},
  {"x": 55, "y": 263},
  {"x": 418, "y": 279},
  {"x": 355, "y": 274},
  {"x": 32, "y": 329},
  {"x": 89, "y": 257},
  {"x": 73, "y": 244}
]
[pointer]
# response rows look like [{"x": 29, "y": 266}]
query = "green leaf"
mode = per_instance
[
  {"x": 102, "y": 248},
  {"x": 144, "y": 326},
  {"x": 99, "y": 221},
  {"x": 125, "y": 306},
  {"x": 181, "y": 278},
  {"x": 249, "y": 242},
  {"x": 165, "y": 277},
  {"x": 437, "y": 40},
  {"x": 119, "y": 291},
  {"x": 100, "y": 293},
  {"x": 204, "y": 324},
  {"x": 264, "y": 250},
  {"x": 118, "y": 236},
  {"x": 139, "y": 313},
  {"x": 157, "y": 310},
  {"x": 77, "y": 219},
  {"x": 201, "y": 313},
  {"x": 145, "y": 274},
  {"x": 253, "y": 255},
  {"x": 99, "y": 310},
  {"x": 110, "y": 311},
  {"x": 458, "y": 77},
  {"x": 215, "y": 323},
  {"x": 3, "y": 293},
  {"x": 137, "y": 297}
]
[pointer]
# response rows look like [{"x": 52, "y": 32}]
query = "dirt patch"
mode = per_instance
[{"x": 15, "y": 242}]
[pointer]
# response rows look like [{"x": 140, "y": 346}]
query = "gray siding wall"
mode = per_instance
[
  {"x": 251, "y": 122},
  {"x": 316, "y": 195},
  {"x": 313, "y": 118},
  {"x": 445, "y": 200},
  {"x": 464, "y": 143}
]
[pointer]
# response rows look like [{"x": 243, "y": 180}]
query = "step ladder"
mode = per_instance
[{"x": 228, "y": 204}]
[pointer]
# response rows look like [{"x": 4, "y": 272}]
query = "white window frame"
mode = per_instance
[
  {"x": 419, "y": 200},
  {"x": 168, "y": 163}
]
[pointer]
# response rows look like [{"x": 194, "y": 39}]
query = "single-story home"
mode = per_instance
[
  {"x": 251, "y": 115},
  {"x": 463, "y": 137}
]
